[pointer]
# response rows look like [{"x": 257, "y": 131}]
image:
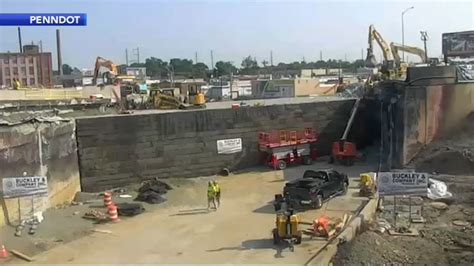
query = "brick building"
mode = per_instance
[{"x": 31, "y": 67}]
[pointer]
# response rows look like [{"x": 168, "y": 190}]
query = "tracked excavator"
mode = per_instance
[
  {"x": 400, "y": 65},
  {"x": 388, "y": 63},
  {"x": 109, "y": 75}
]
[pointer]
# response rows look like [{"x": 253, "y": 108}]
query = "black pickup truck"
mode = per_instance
[{"x": 313, "y": 188}]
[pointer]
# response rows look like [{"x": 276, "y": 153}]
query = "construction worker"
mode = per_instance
[
  {"x": 15, "y": 84},
  {"x": 211, "y": 195},
  {"x": 217, "y": 189}
]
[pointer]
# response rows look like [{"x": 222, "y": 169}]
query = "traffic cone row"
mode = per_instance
[{"x": 3, "y": 252}]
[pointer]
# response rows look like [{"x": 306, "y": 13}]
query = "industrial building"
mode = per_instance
[
  {"x": 32, "y": 67},
  {"x": 281, "y": 88}
]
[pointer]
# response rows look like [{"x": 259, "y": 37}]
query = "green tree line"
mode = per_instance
[{"x": 249, "y": 66}]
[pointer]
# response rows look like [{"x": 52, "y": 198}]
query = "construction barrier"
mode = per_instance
[
  {"x": 107, "y": 199},
  {"x": 113, "y": 213},
  {"x": 3, "y": 252}
]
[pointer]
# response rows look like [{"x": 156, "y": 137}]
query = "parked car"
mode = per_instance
[{"x": 313, "y": 189}]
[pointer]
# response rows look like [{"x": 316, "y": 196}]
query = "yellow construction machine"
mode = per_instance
[
  {"x": 287, "y": 225},
  {"x": 196, "y": 97},
  {"x": 367, "y": 185},
  {"x": 107, "y": 76},
  {"x": 388, "y": 68},
  {"x": 400, "y": 65},
  {"x": 164, "y": 99}
]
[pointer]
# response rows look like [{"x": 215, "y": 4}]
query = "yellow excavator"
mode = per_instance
[
  {"x": 388, "y": 67},
  {"x": 107, "y": 76},
  {"x": 402, "y": 66}
]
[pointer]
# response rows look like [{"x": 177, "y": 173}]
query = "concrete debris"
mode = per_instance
[
  {"x": 96, "y": 215},
  {"x": 21, "y": 255},
  {"x": 461, "y": 223},
  {"x": 438, "y": 205}
]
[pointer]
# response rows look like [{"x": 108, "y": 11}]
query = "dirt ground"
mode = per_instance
[
  {"x": 453, "y": 154},
  {"x": 440, "y": 241},
  {"x": 181, "y": 230}
]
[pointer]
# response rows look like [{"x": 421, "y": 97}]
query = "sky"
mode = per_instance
[{"x": 234, "y": 29}]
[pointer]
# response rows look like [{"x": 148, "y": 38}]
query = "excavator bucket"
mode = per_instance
[{"x": 370, "y": 60}]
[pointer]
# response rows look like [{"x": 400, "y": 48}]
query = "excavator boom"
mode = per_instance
[
  {"x": 370, "y": 61},
  {"x": 408, "y": 49},
  {"x": 102, "y": 62}
]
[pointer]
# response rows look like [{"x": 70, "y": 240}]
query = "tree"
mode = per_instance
[
  {"x": 182, "y": 65},
  {"x": 224, "y": 68},
  {"x": 156, "y": 67},
  {"x": 67, "y": 69},
  {"x": 265, "y": 63},
  {"x": 249, "y": 63},
  {"x": 199, "y": 70}
]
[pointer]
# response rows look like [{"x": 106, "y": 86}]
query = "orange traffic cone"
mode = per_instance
[{"x": 3, "y": 252}]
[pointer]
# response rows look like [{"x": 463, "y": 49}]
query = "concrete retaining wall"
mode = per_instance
[
  {"x": 119, "y": 150},
  {"x": 19, "y": 152},
  {"x": 430, "y": 105}
]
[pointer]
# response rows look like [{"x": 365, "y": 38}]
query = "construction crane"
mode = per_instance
[
  {"x": 111, "y": 70},
  {"x": 370, "y": 61}
]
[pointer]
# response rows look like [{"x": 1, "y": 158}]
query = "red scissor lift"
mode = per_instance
[{"x": 286, "y": 147}]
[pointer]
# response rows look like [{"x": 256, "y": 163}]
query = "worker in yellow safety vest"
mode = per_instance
[
  {"x": 217, "y": 189},
  {"x": 211, "y": 195}
]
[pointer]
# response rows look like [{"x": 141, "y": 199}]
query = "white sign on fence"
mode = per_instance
[
  {"x": 227, "y": 146},
  {"x": 402, "y": 183},
  {"x": 14, "y": 187}
]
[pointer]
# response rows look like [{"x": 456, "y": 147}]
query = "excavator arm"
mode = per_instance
[
  {"x": 408, "y": 49},
  {"x": 370, "y": 61},
  {"x": 102, "y": 62}
]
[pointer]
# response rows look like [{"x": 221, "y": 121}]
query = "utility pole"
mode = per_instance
[
  {"x": 403, "y": 30},
  {"x": 212, "y": 62},
  {"x": 138, "y": 55},
  {"x": 41, "y": 46},
  {"x": 271, "y": 58},
  {"x": 196, "y": 57},
  {"x": 362, "y": 53},
  {"x": 126, "y": 56},
  {"x": 424, "y": 38},
  {"x": 320, "y": 55}
]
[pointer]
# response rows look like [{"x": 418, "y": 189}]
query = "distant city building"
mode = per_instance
[
  {"x": 139, "y": 72},
  {"x": 31, "y": 67},
  {"x": 283, "y": 88}
]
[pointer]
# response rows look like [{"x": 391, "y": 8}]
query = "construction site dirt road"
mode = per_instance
[{"x": 183, "y": 231}]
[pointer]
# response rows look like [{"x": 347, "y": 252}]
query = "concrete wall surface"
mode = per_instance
[
  {"x": 119, "y": 150},
  {"x": 430, "y": 105},
  {"x": 19, "y": 152},
  {"x": 434, "y": 111},
  {"x": 55, "y": 94}
]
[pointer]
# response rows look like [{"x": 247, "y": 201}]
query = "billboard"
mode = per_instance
[
  {"x": 458, "y": 44},
  {"x": 402, "y": 183}
]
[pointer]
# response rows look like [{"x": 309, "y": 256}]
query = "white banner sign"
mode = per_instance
[
  {"x": 227, "y": 146},
  {"x": 14, "y": 187},
  {"x": 402, "y": 183}
]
